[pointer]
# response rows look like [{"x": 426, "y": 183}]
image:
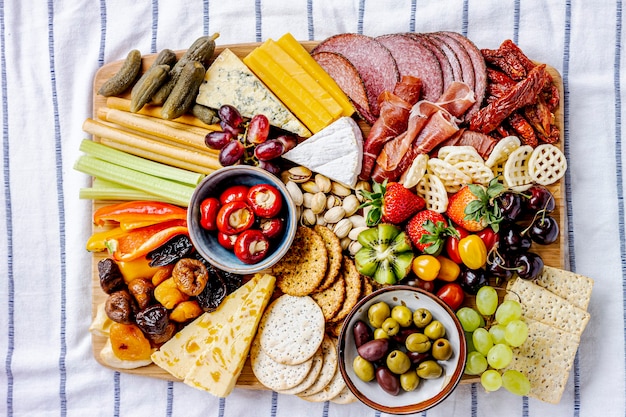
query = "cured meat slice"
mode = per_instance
[
  {"x": 453, "y": 59},
  {"x": 348, "y": 79},
  {"x": 465, "y": 62},
  {"x": 374, "y": 63},
  {"x": 482, "y": 143},
  {"x": 480, "y": 68},
  {"x": 395, "y": 109},
  {"x": 415, "y": 59},
  {"x": 447, "y": 72},
  {"x": 457, "y": 98}
]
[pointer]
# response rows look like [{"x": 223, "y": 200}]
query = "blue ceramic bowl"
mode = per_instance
[{"x": 206, "y": 242}]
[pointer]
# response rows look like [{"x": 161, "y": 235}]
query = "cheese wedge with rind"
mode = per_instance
[
  {"x": 229, "y": 81},
  {"x": 336, "y": 152}
]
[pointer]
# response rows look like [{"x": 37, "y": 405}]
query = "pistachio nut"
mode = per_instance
[
  {"x": 310, "y": 187},
  {"x": 354, "y": 233},
  {"x": 340, "y": 189},
  {"x": 362, "y": 186},
  {"x": 321, "y": 220},
  {"x": 332, "y": 201},
  {"x": 350, "y": 204},
  {"x": 323, "y": 182},
  {"x": 342, "y": 228},
  {"x": 308, "y": 218},
  {"x": 318, "y": 202},
  {"x": 345, "y": 243},
  {"x": 354, "y": 247},
  {"x": 307, "y": 199},
  {"x": 295, "y": 193},
  {"x": 299, "y": 174},
  {"x": 358, "y": 220},
  {"x": 334, "y": 214}
]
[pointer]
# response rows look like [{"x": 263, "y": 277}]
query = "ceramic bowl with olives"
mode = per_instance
[
  {"x": 242, "y": 219},
  {"x": 402, "y": 350}
]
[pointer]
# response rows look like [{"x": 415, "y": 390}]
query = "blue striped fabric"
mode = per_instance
[{"x": 49, "y": 53}]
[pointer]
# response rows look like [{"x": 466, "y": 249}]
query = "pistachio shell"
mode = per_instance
[
  {"x": 299, "y": 174},
  {"x": 321, "y": 220},
  {"x": 362, "y": 185},
  {"x": 340, "y": 190},
  {"x": 354, "y": 247},
  {"x": 334, "y": 214},
  {"x": 295, "y": 193},
  {"x": 354, "y": 233},
  {"x": 307, "y": 200},
  {"x": 310, "y": 187},
  {"x": 342, "y": 228},
  {"x": 318, "y": 202},
  {"x": 358, "y": 220},
  {"x": 350, "y": 204},
  {"x": 332, "y": 201},
  {"x": 323, "y": 183},
  {"x": 308, "y": 218},
  {"x": 345, "y": 243}
]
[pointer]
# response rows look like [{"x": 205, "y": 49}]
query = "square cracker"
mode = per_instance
[
  {"x": 542, "y": 305},
  {"x": 575, "y": 288},
  {"x": 547, "y": 382}
]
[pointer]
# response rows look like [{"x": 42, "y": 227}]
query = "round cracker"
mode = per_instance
[
  {"x": 345, "y": 397},
  {"x": 330, "y": 391},
  {"x": 353, "y": 288},
  {"x": 304, "y": 266},
  {"x": 276, "y": 376},
  {"x": 335, "y": 256},
  {"x": 329, "y": 367},
  {"x": 292, "y": 329},
  {"x": 331, "y": 300},
  {"x": 317, "y": 361}
]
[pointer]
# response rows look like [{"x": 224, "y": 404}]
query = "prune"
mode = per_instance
[
  {"x": 213, "y": 293},
  {"x": 152, "y": 320},
  {"x": 121, "y": 307},
  {"x": 170, "y": 252},
  {"x": 158, "y": 339},
  {"x": 111, "y": 278}
]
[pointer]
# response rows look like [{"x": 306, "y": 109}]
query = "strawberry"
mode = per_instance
[
  {"x": 391, "y": 203},
  {"x": 428, "y": 230},
  {"x": 472, "y": 206}
]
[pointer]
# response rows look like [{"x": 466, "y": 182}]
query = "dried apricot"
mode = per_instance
[{"x": 129, "y": 342}]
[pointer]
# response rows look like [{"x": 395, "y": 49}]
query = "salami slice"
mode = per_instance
[
  {"x": 462, "y": 56},
  {"x": 480, "y": 69},
  {"x": 453, "y": 59},
  {"x": 447, "y": 72},
  {"x": 374, "y": 63},
  {"x": 415, "y": 59},
  {"x": 348, "y": 79}
]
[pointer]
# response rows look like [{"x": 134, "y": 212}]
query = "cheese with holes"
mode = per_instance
[
  {"x": 179, "y": 354},
  {"x": 218, "y": 367},
  {"x": 336, "y": 152},
  {"x": 229, "y": 81}
]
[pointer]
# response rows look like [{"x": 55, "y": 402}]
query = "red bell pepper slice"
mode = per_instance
[
  {"x": 138, "y": 242},
  {"x": 134, "y": 214}
]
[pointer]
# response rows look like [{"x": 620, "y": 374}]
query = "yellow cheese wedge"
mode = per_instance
[
  {"x": 220, "y": 365},
  {"x": 178, "y": 355},
  {"x": 290, "y": 45},
  {"x": 289, "y": 91},
  {"x": 298, "y": 73}
]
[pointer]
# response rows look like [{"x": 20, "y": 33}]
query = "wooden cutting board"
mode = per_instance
[{"x": 554, "y": 255}]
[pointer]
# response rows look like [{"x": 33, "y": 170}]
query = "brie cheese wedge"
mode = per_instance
[{"x": 335, "y": 151}]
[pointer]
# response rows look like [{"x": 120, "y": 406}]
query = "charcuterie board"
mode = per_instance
[{"x": 554, "y": 255}]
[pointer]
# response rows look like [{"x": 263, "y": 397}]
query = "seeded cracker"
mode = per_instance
[
  {"x": 331, "y": 300},
  {"x": 274, "y": 375},
  {"x": 335, "y": 256},
  {"x": 304, "y": 266},
  {"x": 329, "y": 367},
  {"x": 575, "y": 288},
  {"x": 292, "y": 329},
  {"x": 353, "y": 289},
  {"x": 316, "y": 367}
]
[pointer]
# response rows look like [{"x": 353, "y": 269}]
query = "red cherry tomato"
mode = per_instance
[
  {"x": 227, "y": 241},
  {"x": 208, "y": 213},
  {"x": 489, "y": 237},
  {"x": 251, "y": 246},
  {"x": 452, "y": 294},
  {"x": 265, "y": 200},
  {"x": 452, "y": 244},
  {"x": 234, "y": 193},
  {"x": 272, "y": 228},
  {"x": 234, "y": 218}
]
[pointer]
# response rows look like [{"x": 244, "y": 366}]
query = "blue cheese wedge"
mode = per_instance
[
  {"x": 229, "y": 81},
  {"x": 335, "y": 151}
]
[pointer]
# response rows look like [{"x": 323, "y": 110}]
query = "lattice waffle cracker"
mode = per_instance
[
  {"x": 416, "y": 171},
  {"x": 502, "y": 150},
  {"x": 457, "y": 154},
  {"x": 516, "y": 168},
  {"x": 453, "y": 178},
  {"x": 477, "y": 171},
  {"x": 547, "y": 164},
  {"x": 433, "y": 191}
]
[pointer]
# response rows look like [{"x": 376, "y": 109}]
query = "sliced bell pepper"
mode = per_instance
[
  {"x": 96, "y": 242},
  {"x": 135, "y": 214},
  {"x": 138, "y": 242}
]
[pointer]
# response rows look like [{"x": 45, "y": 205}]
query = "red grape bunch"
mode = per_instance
[{"x": 248, "y": 142}]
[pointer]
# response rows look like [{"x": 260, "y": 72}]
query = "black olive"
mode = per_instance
[
  {"x": 111, "y": 278},
  {"x": 120, "y": 307},
  {"x": 152, "y": 319},
  {"x": 176, "y": 248}
]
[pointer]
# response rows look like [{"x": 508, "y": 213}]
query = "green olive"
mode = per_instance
[
  {"x": 363, "y": 368},
  {"x": 417, "y": 342},
  {"x": 429, "y": 370},
  {"x": 435, "y": 330},
  {"x": 409, "y": 380},
  {"x": 377, "y": 313},
  {"x": 380, "y": 333},
  {"x": 422, "y": 317},
  {"x": 391, "y": 326},
  {"x": 398, "y": 362},
  {"x": 403, "y": 315},
  {"x": 442, "y": 350}
]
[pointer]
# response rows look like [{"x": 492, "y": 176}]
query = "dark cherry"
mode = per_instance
[
  {"x": 499, "y": 267},
  {"x": 539, "y": 198},
  {"x": 512, "y": 238},
  {"x": 528, "y": 265},
  {"x": 511, "y": 205},
  {"x": 472, "y": 279},
  {"x": 544, "y": 230}
]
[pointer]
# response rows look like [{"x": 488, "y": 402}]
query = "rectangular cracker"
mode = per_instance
[
  {"x": 547, "y": 382},
  {"x": 575, "y": 288},
  {"x": 551, "y": 346},
  {"x": 542, "y": 305}
]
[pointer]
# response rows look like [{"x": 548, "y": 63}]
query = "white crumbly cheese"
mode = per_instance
[
  {"x": 229, "y": 81},
  {"x": 336, "y": 152}
]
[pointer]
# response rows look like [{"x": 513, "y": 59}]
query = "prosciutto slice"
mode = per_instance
[{"x": 394, "y": 115}]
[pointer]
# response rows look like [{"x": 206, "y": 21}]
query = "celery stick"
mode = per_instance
[
  {"x": 174, "y": 192},
  {"x": 137, "y": 163},
  {"x": 107, "y": 190}
]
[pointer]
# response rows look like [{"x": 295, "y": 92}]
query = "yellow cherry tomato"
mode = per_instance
[
  {"x": 473, "y": 251},
  {"x": 426, "y": 267},
  {"x": 449, "y": 270}
]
